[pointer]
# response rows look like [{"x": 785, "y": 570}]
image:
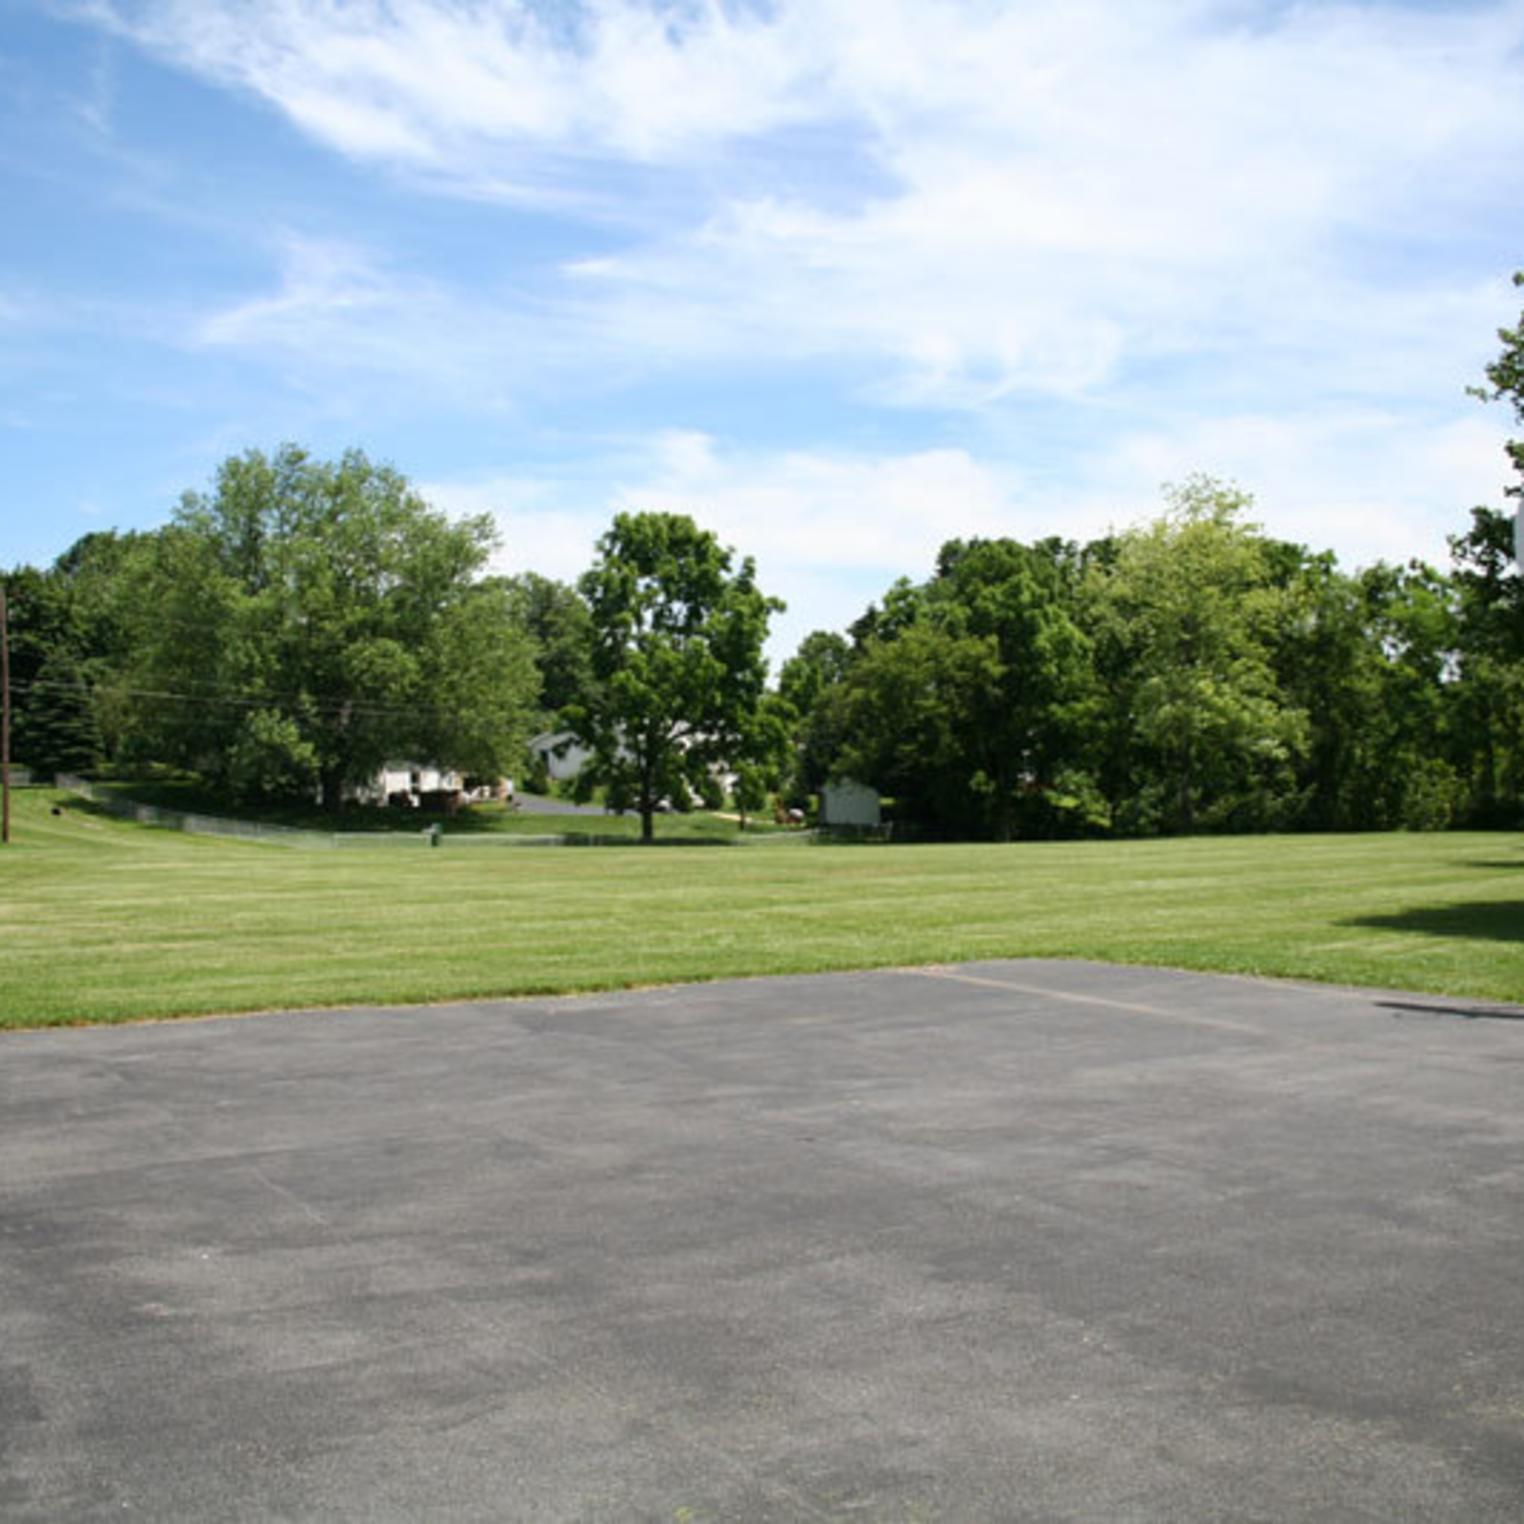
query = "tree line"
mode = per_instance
[
  {"x": 304, "y": 621},
  {"x": 1190, "y": 675}
]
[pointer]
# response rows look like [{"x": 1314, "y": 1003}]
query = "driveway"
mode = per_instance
[
  {"x": 546, "y": 804},
  {"x": 1003, "y": 1241}
]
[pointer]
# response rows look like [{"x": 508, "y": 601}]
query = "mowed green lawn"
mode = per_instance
[{"x": 105, "y": 921}]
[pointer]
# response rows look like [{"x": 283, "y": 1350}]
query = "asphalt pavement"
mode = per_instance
[
  {"x": 550, "y": 804},
  {"x": 1008, "y": 1241}
]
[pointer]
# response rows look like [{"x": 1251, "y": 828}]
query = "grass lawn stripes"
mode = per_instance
[{"x": 103, "y": 920}]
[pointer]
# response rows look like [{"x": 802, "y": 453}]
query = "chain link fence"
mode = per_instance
[{"x": 193, "y": 824}]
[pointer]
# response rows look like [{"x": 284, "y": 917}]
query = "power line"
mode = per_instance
[
  {"x": 336, "y": 706},
  {"x": 214, "y": 689}
]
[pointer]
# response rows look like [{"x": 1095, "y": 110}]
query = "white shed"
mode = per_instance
[{"x": 846, "y": 802}]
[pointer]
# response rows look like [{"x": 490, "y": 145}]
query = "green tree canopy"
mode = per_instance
[
  {"x": 1490, "y": 693},
  {"x": 1505, "y": 383},
  {"x": 965, "y": 695},
  {"x": 557, "y": 617},
  {"x": 810, "y": 687},
  {"x": 1026, "y": 724},
  {"x": 677, "y": 664},
  {"x": 1188, "y": 610},
  {"x": 69, "y": 641},
  {"x": 54, "y": 727},
  {"x": 307, "y": 620},
  {"x": 909, "y": 710}
]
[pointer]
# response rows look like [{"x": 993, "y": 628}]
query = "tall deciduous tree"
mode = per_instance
[
  {"x": 1332, "y": 666},
  {"x": 810, "y": 687},
  {"x": 70, "y": 638},
  {"x": 1489, "y": 692},
  {"x": 760, "y": 760},
  {"x": 1189, "y": 608},
  {"x": 1505, "y": 383},
  {"x": 1025, "y": 725},
  {"x": 910, "y": 707},
  {"x": 677, "y": 664},
  {"x": 964, "y": 696},
  {"x": 55, "y": 728},
  {"x": 1488, "y": 559},
  {"x": 309, "y": 620},
  {"x": 557, "y": 617},
  {"x": 1411, "y": 616}
]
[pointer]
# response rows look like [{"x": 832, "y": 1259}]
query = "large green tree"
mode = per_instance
[
  {"x": 55, "y": 729},
  {"x": 1025, "y": 727},
  {"x": 760, "y": 760},
  {"x": 965, "y": 696},
  {"x": 1331, "y": 665},
  {"x": 1411, "y": 617},
  {"x": 70, "y": 639},
  {"x": 1186, "y": 611},
  {"x": 558, "y": 619},
  {"x": 1489, "y": 695},
  {"x": 1489, "y": 687},
  {"x": 810, "y": 686},
  {"x": 306, "y": 620},
  {"x": 1505, "y": 383},
  {"x": 910, "y": 708},
  {"x": 677, "y": 665}
]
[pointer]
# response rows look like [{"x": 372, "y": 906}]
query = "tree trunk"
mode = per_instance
[
  {"x": 647, "y": 804},
  {"x": 331, "y": 785},
  {"x": 1489, "y": 754},
  {"x": 1187, "y": 802}
]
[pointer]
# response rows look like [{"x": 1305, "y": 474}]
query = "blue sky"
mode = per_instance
[{"x": 841, "y": 278}]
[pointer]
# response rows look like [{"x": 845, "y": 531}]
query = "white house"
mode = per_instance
[
  {"x": 414, "y": 780},
  {"x": 565, "y": 756}
]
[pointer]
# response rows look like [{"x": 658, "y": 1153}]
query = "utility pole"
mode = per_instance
[{"x": 5, "y": 721}]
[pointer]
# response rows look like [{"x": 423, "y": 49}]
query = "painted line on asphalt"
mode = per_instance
[{"x": 1132, "y": 1007}]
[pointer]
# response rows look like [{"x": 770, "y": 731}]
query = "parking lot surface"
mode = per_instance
[{"x": 998, "y": 1241}]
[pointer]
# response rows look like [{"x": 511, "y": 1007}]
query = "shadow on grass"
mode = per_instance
[
  {"x": 1496, "y": 864},
  {"x": 79, "y": 806},
  {"x": 1482, "y": 920}
]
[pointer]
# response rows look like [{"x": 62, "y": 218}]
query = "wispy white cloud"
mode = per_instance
[
  {"x": 1264, "y": 240},
  {"x": 546, "y": 524},
  {"x": 1366, "y": 484},
  {"x": 824, "y": 510},
  {"x": 481, "y": 93},
  {"x": 94, "y": 104},
  {"x": 321, "y": 281},
  {"x": 340, "y": 319},
  {"x": 1042, "y": 195},
  {"x": 1084, "y": 189},
  {"x": 831, "y": 530}
]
